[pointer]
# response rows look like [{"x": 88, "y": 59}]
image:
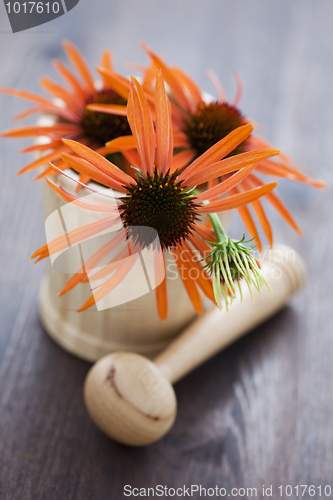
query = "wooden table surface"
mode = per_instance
[{"x": 258, "y": 413}]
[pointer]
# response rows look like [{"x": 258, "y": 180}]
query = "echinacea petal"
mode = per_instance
[
  {"x": 29, "y": 96},
  {"x": 161, "y": 289},
  {"x": 179, "y": 139},
  {"x": 112, "y": 109},
  {"x": 249, "y": 223},
  {"x": 228, "y": 165},
  {"x": 92, "y": 262},
  {"x": 54, "y": 168},
  {"x": 206, "y": 233},
  {"x": 237, "y": 200},
  {"x": 83, "y": 179},
  {"x": 225, "y": 186},
  {"x": 103, "y": 272},
  {"x": 79, "y": 63},
  {"x": 275, "y": 201},
  {"x": 106, "y": 63},
  {"x": 68, "y": 76},
  {"x": 85, "y": 167},
  {"x": 257, "y": 142},
  {"x": 190, "y": 84},
  {"x": 142, "y": 127},
  {"x": 202, "y": 277},
  {"x": 63, "y": 129},
  {"x": 199, "y": 244},
  {"x": 133, "y": 158},
  {"x": 107, "y": 60},
  {"x": 171, "y": 80},
  {"x": 27, "y": 112},
  {"x": 218, "y": 151},
  {"x": 75, "y": 236},
  {"x": 42, "y": 147},
  {"x": 264, "y": 222},
  {"x": 82, "y": 202},
  {"x": 211, "y": 184},
  {"x": 239, "y": 92},
  {"x": 121, "y": 272},
  {"x": 64, "y": 113},
  {"x": 51, "y": 171},
  {"x": 99, "y": 162},
  {"x": 164, "y": 139},
  {"x": 188, "y": 282},
  {"x": 280, "y": 170},
  {"x": 122, "y": 143},
  {"x": 43, "y": 160},
  {"x": 118, "y": 83},
  {"x": 217, "y": 84},
  {"x": 180, "y": 160},
  {"x": 71, "y": 100},
  {"x": 260, "y": 213},
  {"x": 149, "y": 73}
]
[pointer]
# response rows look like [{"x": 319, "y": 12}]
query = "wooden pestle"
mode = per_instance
[{"x": 131, "y": 398}]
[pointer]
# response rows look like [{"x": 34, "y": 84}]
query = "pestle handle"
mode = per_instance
[{"x": 283, "y": 269}]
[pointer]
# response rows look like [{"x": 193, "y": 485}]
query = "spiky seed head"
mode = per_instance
[
  {"x": 162, "y": 203},
  {"x": 229, "y": 262}
]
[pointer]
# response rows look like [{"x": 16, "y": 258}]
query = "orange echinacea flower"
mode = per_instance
[
  {"x": 199, "y": 124},
  {"x": 72, "y": 118},
  {"x": 161, "y": 197}
]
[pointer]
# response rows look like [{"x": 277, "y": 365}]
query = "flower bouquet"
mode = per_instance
[{"x": 137, "y": 176}]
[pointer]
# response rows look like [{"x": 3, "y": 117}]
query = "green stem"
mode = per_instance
[{"x": 221, "y": 235}]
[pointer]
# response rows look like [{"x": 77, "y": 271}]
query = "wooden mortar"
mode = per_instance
[{"x": 131, "y": 399}]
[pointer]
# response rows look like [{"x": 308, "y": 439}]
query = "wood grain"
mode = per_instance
[{"x": 260, "y": 412}]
